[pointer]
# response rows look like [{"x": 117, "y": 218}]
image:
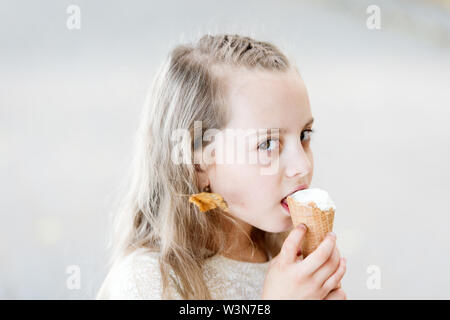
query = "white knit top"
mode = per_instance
[{"x": 137, "y": 276}]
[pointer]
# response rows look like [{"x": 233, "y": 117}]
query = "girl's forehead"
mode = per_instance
[{"x": 267, "y": 99}]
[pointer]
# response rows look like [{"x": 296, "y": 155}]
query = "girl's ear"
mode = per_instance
[
  {"x": 203, "y": 165},
  {"x": 202, "y": 176}
]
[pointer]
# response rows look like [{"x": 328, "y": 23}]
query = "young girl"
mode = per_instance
[{"x": 164, "y": 246}]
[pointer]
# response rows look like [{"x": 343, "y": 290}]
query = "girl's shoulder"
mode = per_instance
[{"x": 135, "y": 276}]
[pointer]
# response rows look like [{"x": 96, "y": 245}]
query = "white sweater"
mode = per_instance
[{"x": 137, "y": 276}]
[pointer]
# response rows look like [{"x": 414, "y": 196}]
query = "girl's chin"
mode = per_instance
[{"x": 282, "y": 225}]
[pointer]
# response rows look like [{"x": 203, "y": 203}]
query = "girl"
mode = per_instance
[{"x": 164, "y": 246}]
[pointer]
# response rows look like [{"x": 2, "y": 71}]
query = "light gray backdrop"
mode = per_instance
[{"x": 70, "y": 101}]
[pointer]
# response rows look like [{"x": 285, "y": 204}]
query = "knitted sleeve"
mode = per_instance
[{"x": 135, "y": 277}]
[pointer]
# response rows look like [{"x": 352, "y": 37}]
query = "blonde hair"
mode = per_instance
[{"x": 154, "y": 212}]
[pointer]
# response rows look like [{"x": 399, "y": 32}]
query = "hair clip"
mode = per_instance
[{"x": 206, "y": 201}]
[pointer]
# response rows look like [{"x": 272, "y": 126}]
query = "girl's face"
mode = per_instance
[{"x": 259, "y": 100}]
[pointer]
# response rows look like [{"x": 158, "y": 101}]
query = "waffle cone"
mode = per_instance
[{"x": 318, "y": 222}]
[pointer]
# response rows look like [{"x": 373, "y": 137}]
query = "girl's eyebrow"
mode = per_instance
[
  {"x": 282, "y": 130},
  {"x": 310, "y": 122}
]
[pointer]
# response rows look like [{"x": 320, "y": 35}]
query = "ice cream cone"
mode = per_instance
[{"x": 319, "y": 222}]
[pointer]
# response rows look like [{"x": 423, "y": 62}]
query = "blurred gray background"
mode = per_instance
[{"x": 70, "y": 102}]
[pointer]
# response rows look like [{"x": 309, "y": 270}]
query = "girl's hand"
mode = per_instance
[
  {"x": 336, "y": 294},
  {"x": 314, "y": 277}
]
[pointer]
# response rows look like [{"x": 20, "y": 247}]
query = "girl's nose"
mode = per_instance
[{"x": 297, "y": 162}]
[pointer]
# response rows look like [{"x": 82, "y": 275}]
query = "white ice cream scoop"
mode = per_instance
[{"x": 320, "y": 197}]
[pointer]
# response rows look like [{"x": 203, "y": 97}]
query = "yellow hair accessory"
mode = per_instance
[{"x": 206, "y": 201}]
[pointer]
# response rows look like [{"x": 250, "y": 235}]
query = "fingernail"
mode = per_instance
[
  {"x": 301, "y": 226},
  {"x": 332, "y": 234}
]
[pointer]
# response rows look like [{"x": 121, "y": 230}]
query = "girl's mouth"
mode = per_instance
[
  {"x": 285, "y": 206},
  {"x": 284, "y": 200}
]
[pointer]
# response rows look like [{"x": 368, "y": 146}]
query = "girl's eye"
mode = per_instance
[
  {"x": 308, "y": 134},
  {"x": 265, "y": 146},
  {"x": 270, "y": 144}
]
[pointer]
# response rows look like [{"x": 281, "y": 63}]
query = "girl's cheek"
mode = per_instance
[
  {"x": 227, "y": 177},
  {"x": 238, "y": 183},
  {"x": 262, "y": 157},
  {"x": 237, "y": 201},
  {"x": 311, "y": 160},
  {"x": 235, "y": 195}
]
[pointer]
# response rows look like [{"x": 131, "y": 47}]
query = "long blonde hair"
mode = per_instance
[{"x": 154, "y": 212}]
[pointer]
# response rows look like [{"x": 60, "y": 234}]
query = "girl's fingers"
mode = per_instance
[
  {"x": 313, "y": 262},
  {"x": 335, "y": 279},
  {"x": 328, "y": 268},
  {"x": 337, "y": 294},
  {"x": 292, "y": 244}
]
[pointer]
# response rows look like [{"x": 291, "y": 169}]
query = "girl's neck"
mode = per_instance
[
  {"x": 241, "y": 249},
  {"x": 257, "y": 255},
  {"x": 245, "y": 244}
]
